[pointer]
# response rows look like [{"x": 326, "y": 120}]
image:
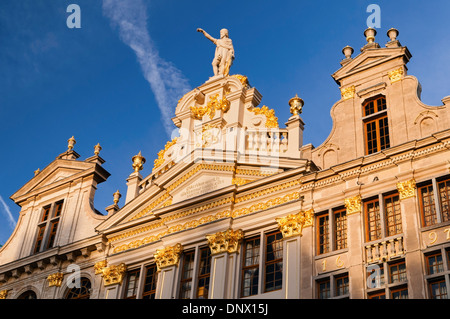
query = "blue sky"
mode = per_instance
[{"x": 117, "y": 84}]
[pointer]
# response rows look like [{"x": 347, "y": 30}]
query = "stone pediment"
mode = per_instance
[
  {"x": 57, "y": 173},
  {"x": 370, "y": 58}
]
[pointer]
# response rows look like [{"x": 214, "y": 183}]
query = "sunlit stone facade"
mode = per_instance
[{"x": 239, "y": 207}]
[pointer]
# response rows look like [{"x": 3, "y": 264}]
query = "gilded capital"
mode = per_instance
[
  {"x": 226, "y": 241},
  {"x": 353, "y": 205},
  {"x": 98, "y": 267},
  {"x": 348, "y": 92},
  {"x": 169, "y": 256},
  {"x": 55, "y": 279},
  {"x": 396, "y": 75},
  {"x": 3, "y": 294},
  {"x": 113, "y": 274},
  {"x": 293, "y": 224},
  {"x": 407, "y": 189}
]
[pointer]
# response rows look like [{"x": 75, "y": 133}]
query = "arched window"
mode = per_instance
[
  {"x": 376, "y": 129},
  {"x": 30, "y": 294},
  {"x": 82, "y": 292}
]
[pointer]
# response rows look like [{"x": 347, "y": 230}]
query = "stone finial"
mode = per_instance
[
  {"x": 370, "y": 34},
  {"x": 347, "y": 51},
  {"x": 138, "y": 162},
  {"x": 71, "y": 142},
  {"x": 117, "y": 196},
  {"x": 392, "y": 34},
  {"x": 97, "y": 149},
  {"x": 296, "y": 105}
]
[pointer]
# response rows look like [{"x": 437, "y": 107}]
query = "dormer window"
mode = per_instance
[
  {"x": 376, "y": 127},
  {"x": 47, "y": 226}
]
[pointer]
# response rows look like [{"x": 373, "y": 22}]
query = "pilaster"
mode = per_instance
[{"x": 167, "y": 261}]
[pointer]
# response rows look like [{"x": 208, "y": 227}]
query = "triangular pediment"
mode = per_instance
[
  {"x": 54, "y": 174},
  {"x": 370, "y": 58}
]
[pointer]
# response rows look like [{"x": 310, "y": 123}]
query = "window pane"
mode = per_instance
[
  {"x": 132, "y": 283},
  {"x": 397, "y": 272},
  {"x": 274, "y": 261},
  {"x": 323, "y": 237},
  {"x": 52, "y": 236},
  {"x": 444, "y": 192},
  {"x": 186, "y": 274},
  {"x": 438, "y": 289},
  {"x": 373, "y": 220},
  {"x": 400, "y": 293},
  {"x": 250, "y": 269},
  {"x": 435, "y": 264},
  {"x": 393, "y": 215},
  {"x": 323, "y": 289},
  {"x": 204, "y": 273},
  {"x": 151, "y": 279},
  {"x": 342, "y": 285},
  {"x": 428, "y": 210},
  {"x": 340, "y": 229}
]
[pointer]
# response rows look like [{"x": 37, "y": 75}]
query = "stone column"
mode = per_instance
[
  {"x": 411, "y": 239},
  {"x": 291, "y": 228},
  {"x": 224, "y": 249},
  {"x": 167, "y": 261},
  {"x": 356, "y": 272}
]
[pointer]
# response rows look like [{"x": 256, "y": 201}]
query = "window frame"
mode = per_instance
[
  {"x": 48, "y": 226},
  {"x": 378, "y": 114}
]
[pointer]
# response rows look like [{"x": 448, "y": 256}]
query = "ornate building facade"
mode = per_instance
[{"x": 239, "y": 207}]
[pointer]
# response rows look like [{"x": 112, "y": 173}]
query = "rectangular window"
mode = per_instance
[
  {"x": 340, "y": 229},
  {"x": 47, "y": 227},
  {"x": 151, "y": 279},
  {"x": 376, "y": 127},
  {"x": 373, "y": 223},
  {"x": 375, "y": 276},
  {"x": 250, "y": 268},
  {"x": 187, "y": 271},
  {"x": 377, "y": 295},
  {"x": 204, "y": 273},
  {"x": 435, "y": 263},
  {"x": 438, "y": 289},
  {"x": 397, "y": 272},
  {"x": 323, "y": 288},
  {"x": 427, "y": 208},
  {"x": 393, "y": 216},
  {"x": 342, "y": 285},
  {"x": 132, "y": 284},
  {"x": 323, "y": 239},
  {"x": 273, "y": 267},
  {"x": 444, "y": 199},
  {"x": 399, "y": 293}
]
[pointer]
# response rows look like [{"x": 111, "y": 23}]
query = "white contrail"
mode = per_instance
[
  {"x": 9, "y": 215},
  {"x": 166, "y": 81}
]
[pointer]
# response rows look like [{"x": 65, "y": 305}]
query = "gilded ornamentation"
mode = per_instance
[
  {"x": 240, "y": 181},
  {"x": 226, "y": 241},
  {"x": 407, "y": 189},
  {"x": 266, "y": 205},
  {"x": 293, "y": 224},
  {"x": 296, "y": 105},
  {"x": 168, "y": 256},
  {"x": 210, "y": 109},
  {"x": 160, "y": 160},
  {"x": 71, "y": 142},
  {"x": 243, "y": 79},
  {"x": 55, "y": 280},
  {"x": 348, "y": 93},
  {"x": 113, "y": 274},
  {"x": 271, "y": 119},
  {"x": 396, "y": 75},
  {"x": 117, "y": 197},
  {"x": 98, "y": 267},
  {"x": 353, "y": 205},
  {"x": 210, "y": 135},
  {"x": 97, "y": 149},
  {"x": 138, "y": 162},
  {"x": 3, "y": 294}
]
